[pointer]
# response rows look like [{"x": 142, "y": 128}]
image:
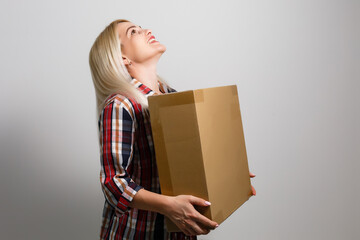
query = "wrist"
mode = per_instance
[{"x": 165, "y": 207}]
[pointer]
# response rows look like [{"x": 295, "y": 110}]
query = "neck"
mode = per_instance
[{"x": 147, "y": 75}]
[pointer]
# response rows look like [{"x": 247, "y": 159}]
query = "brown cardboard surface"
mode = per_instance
[{"x": 200, "y": 148}]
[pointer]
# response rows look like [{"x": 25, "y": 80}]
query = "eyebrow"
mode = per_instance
[{"x": 129, "y": 28}]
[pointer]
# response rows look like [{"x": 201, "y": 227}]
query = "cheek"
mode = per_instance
[
  {"x": 140, "y": 50},
  {"x": 132, "y": 48}
]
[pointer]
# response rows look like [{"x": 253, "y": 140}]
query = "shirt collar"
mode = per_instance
[{"x": 145, "y": 89}]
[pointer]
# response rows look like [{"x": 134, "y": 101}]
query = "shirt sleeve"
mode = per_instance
[{"x": 117, "y": 131}]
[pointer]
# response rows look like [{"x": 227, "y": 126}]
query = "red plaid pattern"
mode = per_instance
[{"x": 128, "y": 164}]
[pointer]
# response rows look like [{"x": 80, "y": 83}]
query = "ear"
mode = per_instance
[{"x": 125, "y": 61}]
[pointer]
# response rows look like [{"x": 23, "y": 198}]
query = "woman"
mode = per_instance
[{"x": 123, "y": 63}]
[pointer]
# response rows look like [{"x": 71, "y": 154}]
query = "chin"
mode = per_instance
[{"x": 162, "y": 48}]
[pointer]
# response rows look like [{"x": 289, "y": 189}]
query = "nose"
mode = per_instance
[{"x": 148, "y": 31}]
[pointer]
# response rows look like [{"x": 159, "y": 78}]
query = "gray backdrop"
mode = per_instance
[{"x": 296, "y": 66}]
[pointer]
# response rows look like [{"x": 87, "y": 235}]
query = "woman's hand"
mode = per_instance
[
  {"x": 182, "y": 212},
  {"x": 253, "y": 189}
]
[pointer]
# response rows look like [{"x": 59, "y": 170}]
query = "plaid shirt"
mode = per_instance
[{"x": 128, "y": 164}]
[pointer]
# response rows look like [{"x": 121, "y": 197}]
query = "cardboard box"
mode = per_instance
[{"x": 200, "y": 148}]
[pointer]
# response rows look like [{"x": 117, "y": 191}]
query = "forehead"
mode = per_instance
[{"x": 122, "y": 27}]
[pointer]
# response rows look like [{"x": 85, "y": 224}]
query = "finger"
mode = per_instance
[
  {"x": 206, "y": 232},
  {"x": 252, "y": 175},
  {"x": 198, "y": 230},
  {"x": 204, "y": 228},
  {"x": 190, "y": 230},
  {"x": 205, "y": 221},
  {"x": 253, "y": 190},
  {"x": 189, "y": 225},
  {"x": 198, "y": 201},
  {"x": 187, "y": 232},
  {"x": 184, "y": 227}
]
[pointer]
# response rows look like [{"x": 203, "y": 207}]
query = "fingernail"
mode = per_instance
[
  {"x": 217, "y": 225},
  {"x": 207, "y": 203}
]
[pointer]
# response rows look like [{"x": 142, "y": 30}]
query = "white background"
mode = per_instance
[{"x": 295, "y": 63}]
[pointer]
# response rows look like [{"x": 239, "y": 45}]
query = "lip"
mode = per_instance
[{"x": 151, "y": 37}]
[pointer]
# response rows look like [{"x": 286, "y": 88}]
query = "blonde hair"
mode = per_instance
[{"x": 109, "y": 74}]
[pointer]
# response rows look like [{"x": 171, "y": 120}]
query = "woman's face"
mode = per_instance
[{"x": 137, "y": 44}]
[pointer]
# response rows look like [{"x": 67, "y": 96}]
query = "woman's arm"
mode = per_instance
[
  {"x": 117, "y": 130},
  {"x": 179, "y": 209},
  {"x": 150, "y": 201}
]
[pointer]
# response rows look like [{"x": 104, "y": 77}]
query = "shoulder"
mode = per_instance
[{"x": 117, "y": 102}]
